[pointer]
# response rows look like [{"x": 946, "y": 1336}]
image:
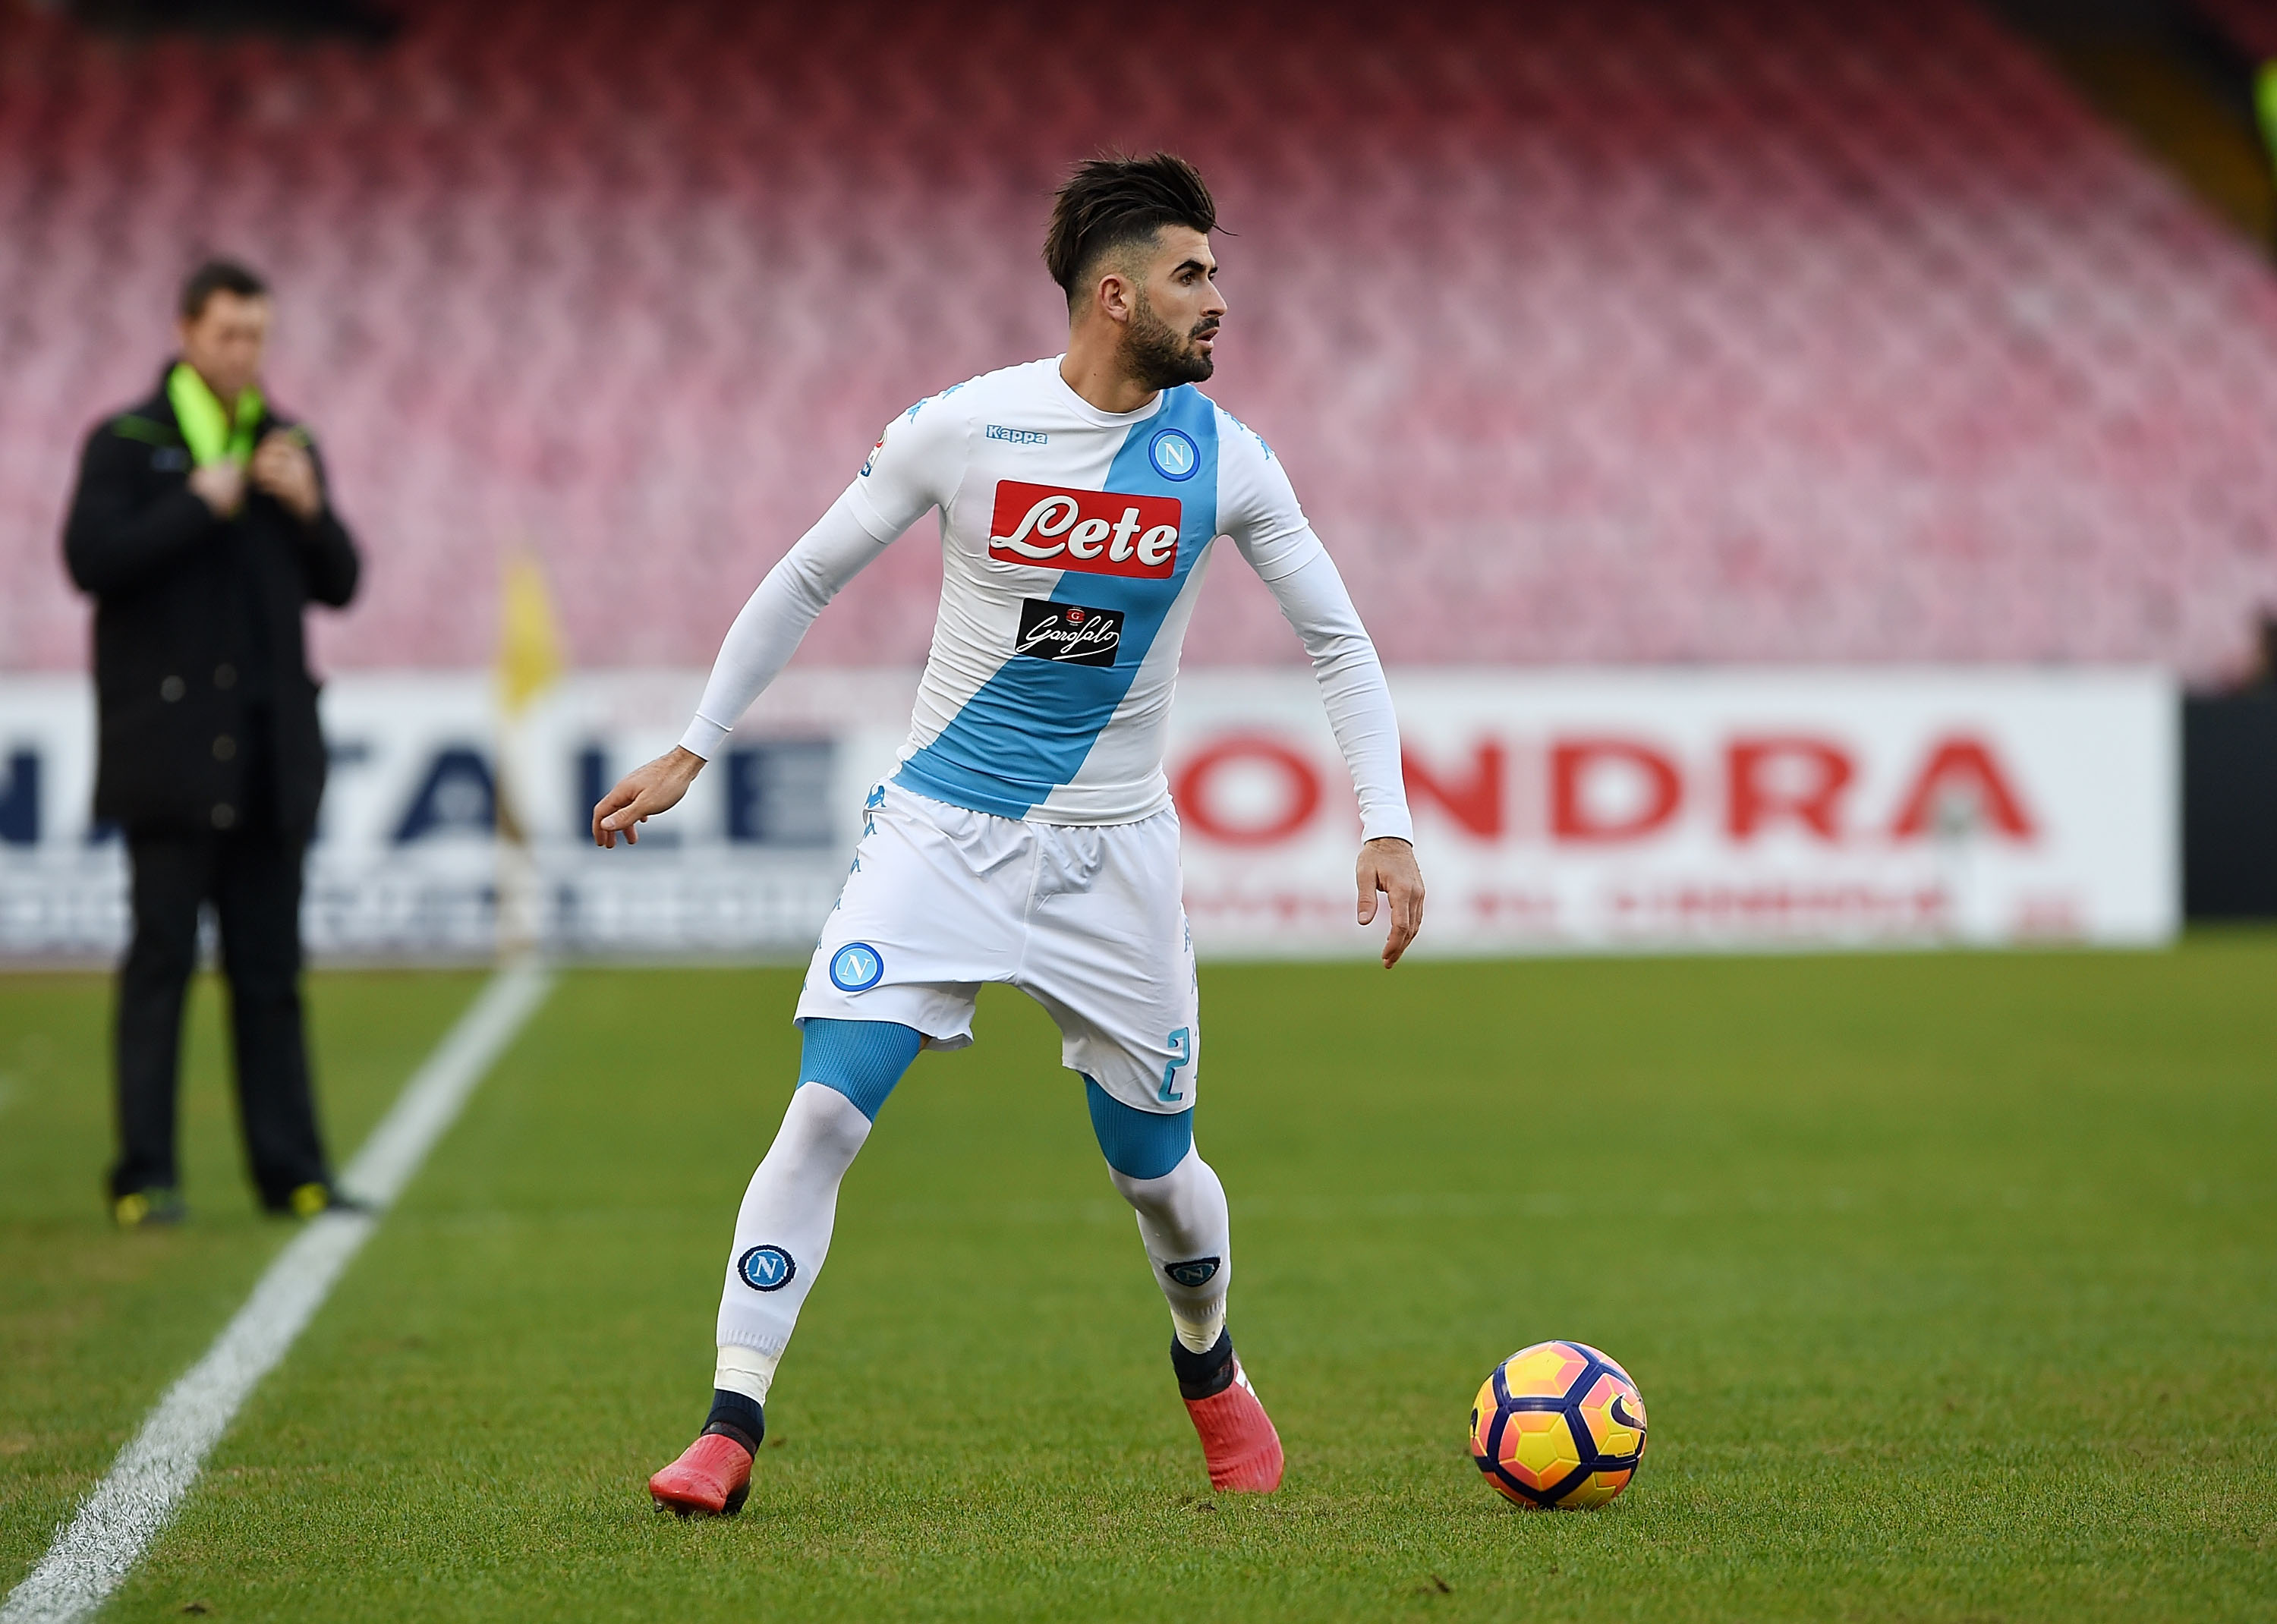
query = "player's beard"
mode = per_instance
[{"x": 1157, "y": 356}]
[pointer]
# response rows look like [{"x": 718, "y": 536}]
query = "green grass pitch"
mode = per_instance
[{"x": 1950, "y": 1280}]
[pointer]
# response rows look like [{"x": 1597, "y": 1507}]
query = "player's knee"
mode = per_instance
[
  {"x": 821, "y": 1129},
  {"x": 1166, "y": 1200},
  {"x": 1138, "y": 1144},
  {"x": 861, "y": 1060}
]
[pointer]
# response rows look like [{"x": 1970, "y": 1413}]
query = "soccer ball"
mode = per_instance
[{"x": 1558, "y": 1424}]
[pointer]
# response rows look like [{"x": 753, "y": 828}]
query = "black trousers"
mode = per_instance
[{"x": 251, "y": 876}]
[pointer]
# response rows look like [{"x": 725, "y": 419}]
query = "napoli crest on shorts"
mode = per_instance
[
  {"x": 1197, "y": 1272},
  {"x": 770, "y": 1268},
  {"x": 1173, "y": 454},
  {"x": 857, "y": 968}
]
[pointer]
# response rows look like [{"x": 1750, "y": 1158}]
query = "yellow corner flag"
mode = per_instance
[
  {"x": 528, "y": 662},
  {"x": 530, "y": 643}
]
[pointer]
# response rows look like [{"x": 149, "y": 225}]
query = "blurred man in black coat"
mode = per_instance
[{"x": 201, "y": 527}]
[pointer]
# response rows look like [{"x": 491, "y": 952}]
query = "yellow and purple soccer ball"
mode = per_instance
[{"x": 1557, "y": 1425}]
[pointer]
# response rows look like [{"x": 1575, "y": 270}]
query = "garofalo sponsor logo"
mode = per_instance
[{"x": 1071, "y": 634}]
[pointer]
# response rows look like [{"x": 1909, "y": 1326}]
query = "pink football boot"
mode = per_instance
[
  {"x": 711, "y": 1477},
  {"x": 1238, "y": 1442}
]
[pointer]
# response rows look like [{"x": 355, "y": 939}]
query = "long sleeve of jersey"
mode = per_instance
[
  {"x": 1352, "y": 689},
  {"x": 886, "y": 498},
  {"x": 1262, "y": 516},
  {"x": 767, "y": 632}
]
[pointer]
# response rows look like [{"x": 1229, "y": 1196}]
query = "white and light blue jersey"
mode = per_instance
[{"x": 1073, "y": 543}]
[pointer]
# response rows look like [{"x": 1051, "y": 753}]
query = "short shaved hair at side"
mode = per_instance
[{"x": 1114, "y": 203}]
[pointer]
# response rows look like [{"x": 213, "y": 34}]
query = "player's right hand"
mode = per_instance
[
  {"x": 643, "y": 793},
  {"x": 1386, "y": 864}
]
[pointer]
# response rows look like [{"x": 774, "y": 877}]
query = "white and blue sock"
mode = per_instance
[
  {"x": 1181, "y": 1206},
  {"x": 847, "y": 1069}
]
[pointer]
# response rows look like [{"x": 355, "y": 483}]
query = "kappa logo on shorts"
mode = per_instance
[
  {"x": 770, "y": 1268},
  {"x": 857, "y": 968},
  {"x": 1197, "y": 1272},
  {"x": 1071, "y": 634}
]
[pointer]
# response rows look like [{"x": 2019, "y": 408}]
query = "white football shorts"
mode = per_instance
[{"x": 1089, "y": 920}]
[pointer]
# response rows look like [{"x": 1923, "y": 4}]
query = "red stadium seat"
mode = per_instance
[{"x": 1608, "y": 332}]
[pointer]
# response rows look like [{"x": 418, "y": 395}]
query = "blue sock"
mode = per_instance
[
  {"x": 862, "y": 1059},
  {"x": 1138, "y": 1144}
]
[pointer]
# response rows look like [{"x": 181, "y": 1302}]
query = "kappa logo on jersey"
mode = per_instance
[
  {"x": 1099, "y": 531},
  {"x": 766, "y": 1268},
  {"x": 1071, "y": 634}
]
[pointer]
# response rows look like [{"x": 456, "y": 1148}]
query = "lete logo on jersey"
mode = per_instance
[{"x": 1099, "y": 531}]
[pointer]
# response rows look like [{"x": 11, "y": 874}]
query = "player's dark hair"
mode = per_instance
[
  {"x": 1114, "y": 201},
  {"x": 217, "y": 277}
]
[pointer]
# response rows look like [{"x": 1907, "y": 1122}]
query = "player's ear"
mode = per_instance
[{"x": 1113, "y": 294}]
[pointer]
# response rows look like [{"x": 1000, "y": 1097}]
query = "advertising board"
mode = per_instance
[
  {"x": 1555, "y": 811},
  {"x": 1712, "y": 809}
]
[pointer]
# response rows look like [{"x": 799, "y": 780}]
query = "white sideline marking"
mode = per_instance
[{"x": 132, "y": 1503}]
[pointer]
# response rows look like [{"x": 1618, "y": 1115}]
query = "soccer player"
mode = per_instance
[{"x": 1027, "y": 835}]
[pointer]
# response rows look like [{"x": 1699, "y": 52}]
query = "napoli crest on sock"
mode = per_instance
[
  {"x": 857, "y": 968},
  {"x": 1195, "y": 1271},
  {"x": 770, "y": 1268}
]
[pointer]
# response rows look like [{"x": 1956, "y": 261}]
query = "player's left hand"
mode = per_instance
[
  {"x": 1388, "y": 865},
  {"x": 643, "y": 793},
  {"x": 283, "y": 467}
]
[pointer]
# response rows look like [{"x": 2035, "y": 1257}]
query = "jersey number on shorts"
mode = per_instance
[{"x": 1182, "y": 1051}]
